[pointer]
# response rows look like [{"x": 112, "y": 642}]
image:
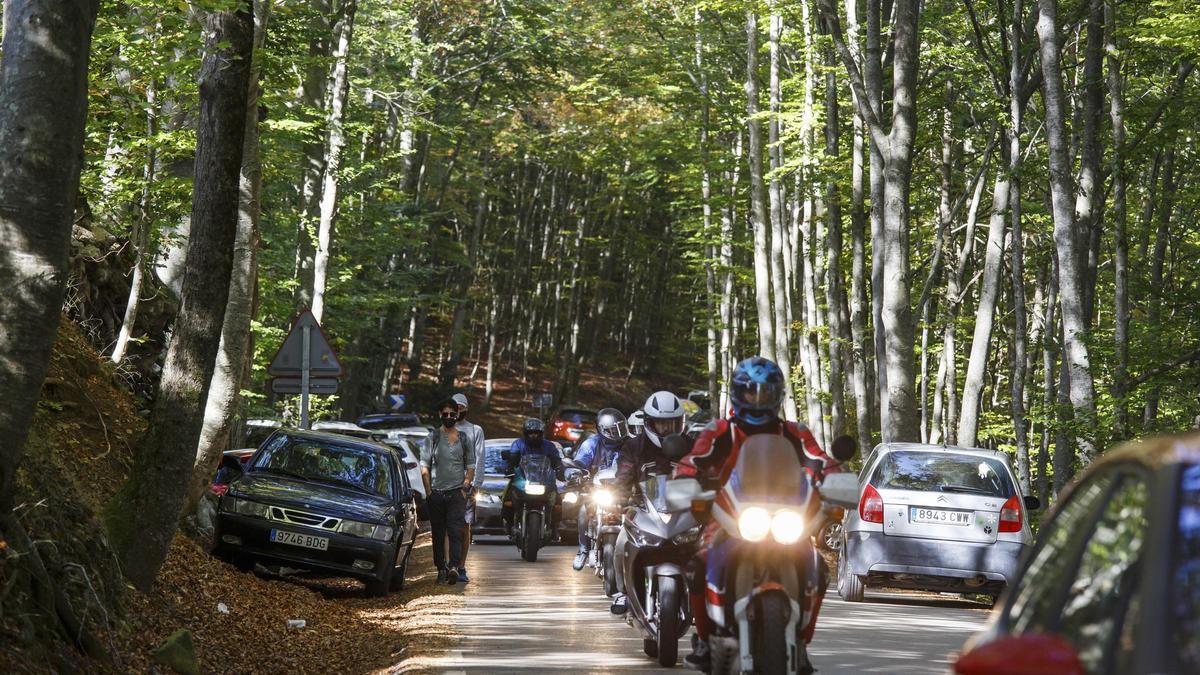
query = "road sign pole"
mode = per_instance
[{"x": 304, "y": 375}]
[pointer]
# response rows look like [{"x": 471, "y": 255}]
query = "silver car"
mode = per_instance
[{"x": 934, "y": 518}]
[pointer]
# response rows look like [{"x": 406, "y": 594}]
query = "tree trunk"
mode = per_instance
[
  {"x": 779, "y": 285},
  {"x": 1120, "y": 234},
  {"x": 833, "y": 252},
  {"x": 43, "y": 84},
  {"x": 1066, "y": 240},
  {"x": 142, "y": 517},
  {"x": 224, "y": 393},
  {"x": 333, "y": 155},
  {"x": 1157, "y": 264},
  {"x": 758, "y": 197},
  {"x": 968, "y": 423},
  {"x": 312, "y": 104}
]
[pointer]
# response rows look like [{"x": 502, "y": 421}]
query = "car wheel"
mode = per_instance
[
  {"x": 401, "y": 570},
  {"x": 850, "y": 586},
  {"x": 380, "y": 585}
]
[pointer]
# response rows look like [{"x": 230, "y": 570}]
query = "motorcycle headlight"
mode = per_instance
[
  {"x": 603, "y": 498},
  {"x": 570, "y": 498},
  {"x": 644, "y": 538},
  {"x": 535, "y": 489},
  {"x": 787, "y": 526},
  {"x": 688, "y": 536},
  {"x": 367, "y": 530},
  {"x": 244, "y": 507},
  {"x": 754, "y": 524}
]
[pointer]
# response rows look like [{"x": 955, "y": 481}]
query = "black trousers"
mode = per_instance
[{"x": 447, "y": 509}]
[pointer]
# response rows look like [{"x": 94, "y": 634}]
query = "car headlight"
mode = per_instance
[
  {"x": 603, "y": 498},
  {"x": 570, "y": 498},
  {"x": 535, "y": 489},
  {"x": 243, "y": 507},
  {"x": 688, "y": 536},
  {"x": 368, "y": 530},
  {"x": 787, "y": 526},
  {"x": 754, "y": 523}
]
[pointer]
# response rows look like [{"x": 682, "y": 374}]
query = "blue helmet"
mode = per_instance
[{"x": 756, "y": 390}]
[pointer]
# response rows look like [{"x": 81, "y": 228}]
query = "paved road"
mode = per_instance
[{"x": 519, "y": 616}]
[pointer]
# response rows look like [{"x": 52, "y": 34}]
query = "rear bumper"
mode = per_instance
[
  {"x": 912, "y": 562},
  {"x": 255, "y": 536}
]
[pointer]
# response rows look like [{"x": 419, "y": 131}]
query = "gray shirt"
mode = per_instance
[
  {"x": 475, "y": 433},
  {"x": 447, "y": 462}
]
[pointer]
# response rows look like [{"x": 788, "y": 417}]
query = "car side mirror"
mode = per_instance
[
  {"x": 840, "y": 489},
  {"x": 844, "y": 448},
  {"x": 675, "y": 447},
  {"x": 1030, "y": 654},
  {"x": 409, "y": 464},
  {"x": 1032, "y": 503}
]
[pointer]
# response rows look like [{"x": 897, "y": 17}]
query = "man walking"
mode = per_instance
[
  {"x": 475, "y": 433},
  {"x": 448, "y": 467}
]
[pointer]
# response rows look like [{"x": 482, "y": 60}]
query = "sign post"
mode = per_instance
[{"x": 305, "y": 364}]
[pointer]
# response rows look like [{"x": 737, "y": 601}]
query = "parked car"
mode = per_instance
[
  {"x": 344, "y": 428},
  {"x": 934, "y": 518},
  {"x": 1113, "y": 583},
  {"x": 490, "y": 497},
  {"x": 569, "y": 423},
  {"x": 389, "y": 420},
  {"x": 321, "y": 501},
  {"x": 410, "y": 453},
  {"x": 258, "y": 430}
]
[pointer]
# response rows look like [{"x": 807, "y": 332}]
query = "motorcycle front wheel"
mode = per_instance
[
  {"x": 670, "y": 594},
  {"x": 770, "y": 635},
  {"x": 610, "y": 574},
  {"x": 533, "y": 536}
]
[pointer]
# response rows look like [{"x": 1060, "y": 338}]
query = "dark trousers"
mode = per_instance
[
  {"x": 446, "y": 512},
  {"x": 585, "y": 542}
]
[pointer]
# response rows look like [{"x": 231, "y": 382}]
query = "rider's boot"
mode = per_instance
[
  {"x": 580, "y": 558},
  {"x": 701, "y": 658},
  {"x": 619, "y": 605}
]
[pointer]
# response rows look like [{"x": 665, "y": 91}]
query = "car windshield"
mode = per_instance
[
  {"x": 399, "y": 421},
  {"x": 935, "y": 471},
  {"x": 1186, "y": 594},
  {"x": 578, "y": 416},
  {"x": 343, "y": 466},
  {"x": 492, "y": 461}
]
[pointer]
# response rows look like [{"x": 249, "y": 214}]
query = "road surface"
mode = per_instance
[{"x": 519, "y": 616}]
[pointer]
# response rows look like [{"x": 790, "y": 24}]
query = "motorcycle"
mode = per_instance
[
  {"x": 603, "y": 527},
  {"x": 651, "y": 553},
  {"x": 531, "y": 495},
  {"x": 764, "y": 588}
]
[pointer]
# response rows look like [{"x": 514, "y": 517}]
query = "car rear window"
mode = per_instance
[
  {"x": 399, "y": 421},
  {"x": 933, "y": 471},
  {"x": 578, "y": 416},
  {"x": 492, "y": 461},
  {"x": 1186, "y": 592}
]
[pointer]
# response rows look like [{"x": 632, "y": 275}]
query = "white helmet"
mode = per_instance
[
  {"x": 664, "y": 416},
  {"x": 637, "y": 423}
]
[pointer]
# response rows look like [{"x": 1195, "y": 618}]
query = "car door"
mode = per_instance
[
  {"x": 1083, "y": 581},
  {"x": 408, "y": 507}
]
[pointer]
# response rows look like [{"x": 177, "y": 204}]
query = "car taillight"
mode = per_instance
[
  {"x": 1010, "y": 515},
  {"x": 870, "y": 507}
]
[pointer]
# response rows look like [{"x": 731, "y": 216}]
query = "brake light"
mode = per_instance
[
  {"x": 870, "y": 507},
  {"x": 1010, "y": 515}
]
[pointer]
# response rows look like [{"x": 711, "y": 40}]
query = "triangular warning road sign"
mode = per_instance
[{"x": 322, "y": 360}]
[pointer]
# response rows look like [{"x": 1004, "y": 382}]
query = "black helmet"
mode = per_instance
[
  {"x": 533, "y": 426},
  {"x": 612, "y": 424}
]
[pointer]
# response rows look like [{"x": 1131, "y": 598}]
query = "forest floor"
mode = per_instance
[{"x": 79, "y": 454}]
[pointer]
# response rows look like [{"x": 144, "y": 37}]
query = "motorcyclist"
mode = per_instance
[
  {"x": 637, "y": 423},
  {"x": 531, "y": 442},
  {"x": 663, "y": 415},
  {"x": 757, "y": 390},
  {"x": 599, "y": 451}
]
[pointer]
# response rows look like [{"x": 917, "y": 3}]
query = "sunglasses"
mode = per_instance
[{"x": 449, "y": 414}]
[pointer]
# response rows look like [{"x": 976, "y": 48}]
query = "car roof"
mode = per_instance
[
  {"x": 336, "y": 439},
  {"x": 929, "y": 447}
]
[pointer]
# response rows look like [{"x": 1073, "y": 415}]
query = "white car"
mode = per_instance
[{"x": 934, "y": 518}]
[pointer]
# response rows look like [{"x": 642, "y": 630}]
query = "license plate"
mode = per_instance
[
  {"x": 305, "y": 540},
  {"x": 939, "y": 516}
]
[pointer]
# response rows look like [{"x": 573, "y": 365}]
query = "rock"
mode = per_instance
[{"x": 178, "y": 653}]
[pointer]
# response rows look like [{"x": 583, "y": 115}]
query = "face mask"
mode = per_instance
[
  {"x": 462, "y": 415},
  {"x": 449, "y": 420}
]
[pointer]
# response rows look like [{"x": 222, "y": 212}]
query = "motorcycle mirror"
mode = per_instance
[
  {"x": 840, "y": 489},
  {"x": 844, "y": 448},
  {"x": 675, "y": 447}
]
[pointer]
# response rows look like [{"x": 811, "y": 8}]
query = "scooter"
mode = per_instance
[
  {"x": 651, "y": 554},
  {"x": 764, "y": 585},
  {"x": 531, "y": 495}
]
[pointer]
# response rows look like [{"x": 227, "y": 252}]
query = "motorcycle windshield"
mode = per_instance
[
  {"x": 768, "y": 470},
  {"x": 537, "y": 469},
  {"x": 655, "y": 489}
]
